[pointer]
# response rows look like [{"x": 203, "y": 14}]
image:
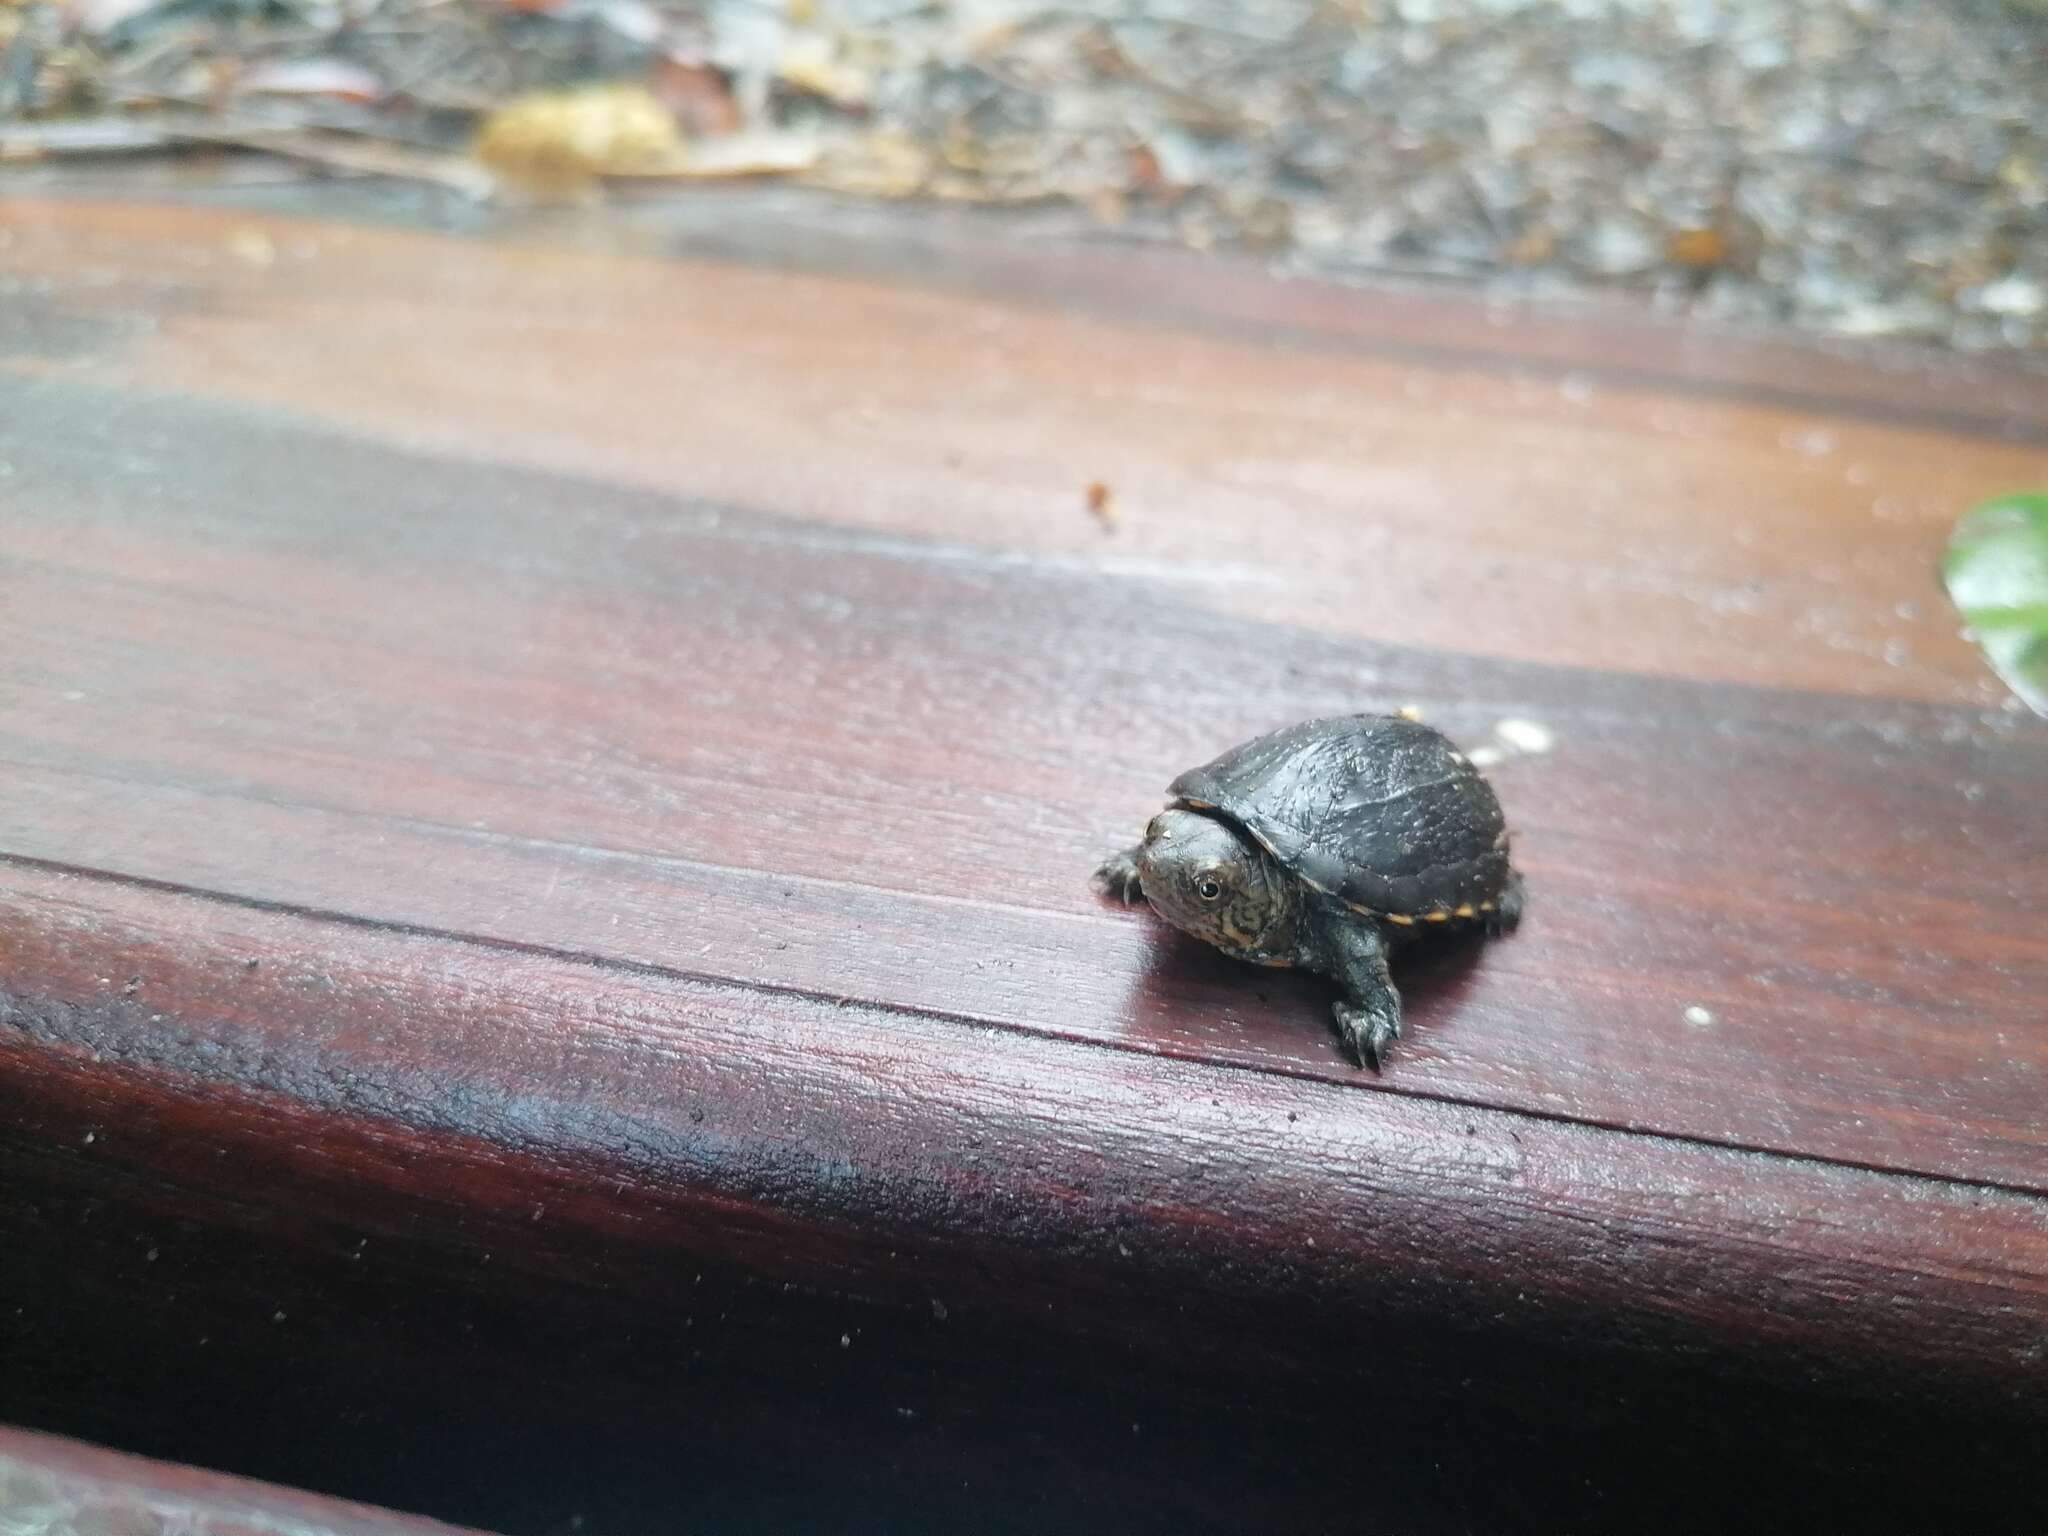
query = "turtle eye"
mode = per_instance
[{"x": 1207, "y": 889}]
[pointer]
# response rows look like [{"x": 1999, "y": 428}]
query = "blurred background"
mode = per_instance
[{"x": 1848, "y": 167}]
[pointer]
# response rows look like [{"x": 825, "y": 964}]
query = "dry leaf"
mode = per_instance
[
  {"x": 698, "y": 96},
  {"x": 1531, "y": 249},
  {"x": 1696, "y": 248},
  {"x": 1109, "y": 205},
  {"x": 336, "y": 78},
  {"x": 1147, "y": 176},
  {"x": 97, "y": 17},
  {"x": 880, "y": 165},
  {"x": 559, "y": 143},
  {"x": 747, "y": 154},
  {"x": 345, "y": 153},
  {"x": 812, "y": 65}
]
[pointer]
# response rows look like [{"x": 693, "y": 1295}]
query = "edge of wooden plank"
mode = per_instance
[{"x": 408, "y": 1080}]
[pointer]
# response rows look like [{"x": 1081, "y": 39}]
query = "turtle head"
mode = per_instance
[{"x": 1208, "y": 879}]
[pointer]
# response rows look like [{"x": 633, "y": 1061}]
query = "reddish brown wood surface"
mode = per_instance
[
  {"x": 781, "y": 1130},
  {"x": 282, "y": 1184},
  {"x": 597, "y": 750},
  {"x": 53, "y": 1487}
]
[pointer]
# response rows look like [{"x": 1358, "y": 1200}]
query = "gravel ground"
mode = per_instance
[{"x": 1855, "y": 167}]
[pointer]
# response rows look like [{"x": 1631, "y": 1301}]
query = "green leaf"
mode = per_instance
[{"x": 1997, "y": 572}]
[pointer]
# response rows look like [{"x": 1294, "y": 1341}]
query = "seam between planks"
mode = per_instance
[
  {"x": 595, "y": 852},
  {"x": 620, "y": 964}
]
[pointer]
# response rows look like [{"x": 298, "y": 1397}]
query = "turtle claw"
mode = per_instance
[
  {"x": 1118, "y": 876},
  {"x": 1369, "y": 1029}
]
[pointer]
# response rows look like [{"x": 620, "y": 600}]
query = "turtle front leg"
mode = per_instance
[
  {"x": 1118, "y": 876},
  {"x": 1369, "y": 1013}
]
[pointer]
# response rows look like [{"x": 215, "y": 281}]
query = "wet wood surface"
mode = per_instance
[{"x": 583, "y": 744}]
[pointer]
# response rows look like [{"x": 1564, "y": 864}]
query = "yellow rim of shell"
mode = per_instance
[{"x": 1440, "y": 915}]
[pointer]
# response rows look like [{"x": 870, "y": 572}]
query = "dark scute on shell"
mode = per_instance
[{"x": 1377, "y": 810}]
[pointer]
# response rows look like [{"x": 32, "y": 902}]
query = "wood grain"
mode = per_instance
[
  {"x": 365, "y": 1162},
  {"x": 799, "y": 1133},
  {"x": 527, "y": 748},
  {"x": 1453, "y": 497},
  {"x": 554, "y": 712},
  {"x": 53, "y": 1487}
]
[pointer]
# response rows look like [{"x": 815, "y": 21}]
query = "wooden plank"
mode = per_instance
[
  {"x": 55, "y": 1487},
  {"x": 582, "y": 769},
  {"x": 803, "y": 1137},
  {"x": 407, "y": 1176},
  {"x": 1447, "y": 501},
  {"x": 690, "y": 736}
]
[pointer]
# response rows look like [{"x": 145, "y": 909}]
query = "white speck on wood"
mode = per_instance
[{"x": 1525, "y": 735}]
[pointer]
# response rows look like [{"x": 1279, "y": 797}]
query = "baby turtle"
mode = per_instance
[{"x": 1324, "y": 846}]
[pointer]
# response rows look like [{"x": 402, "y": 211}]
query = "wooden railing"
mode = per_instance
[{"x": 547, "y": 789}]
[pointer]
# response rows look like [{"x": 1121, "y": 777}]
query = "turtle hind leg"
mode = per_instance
[
  {"x": 1506, "y": 915},
  {"x": 1117, "y": 876},
  {"x": 1369, "y": 1013}
]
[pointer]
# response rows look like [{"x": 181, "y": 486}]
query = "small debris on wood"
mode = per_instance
[
  {"x": 1526, "y": 736},
  {"x": 253, "y": 246},
  {"x": 1513, "y": 738},
  {"x": 1101, "y": 502}
]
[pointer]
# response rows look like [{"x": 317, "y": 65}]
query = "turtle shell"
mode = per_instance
[{"x": 1379, "y": 811}]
